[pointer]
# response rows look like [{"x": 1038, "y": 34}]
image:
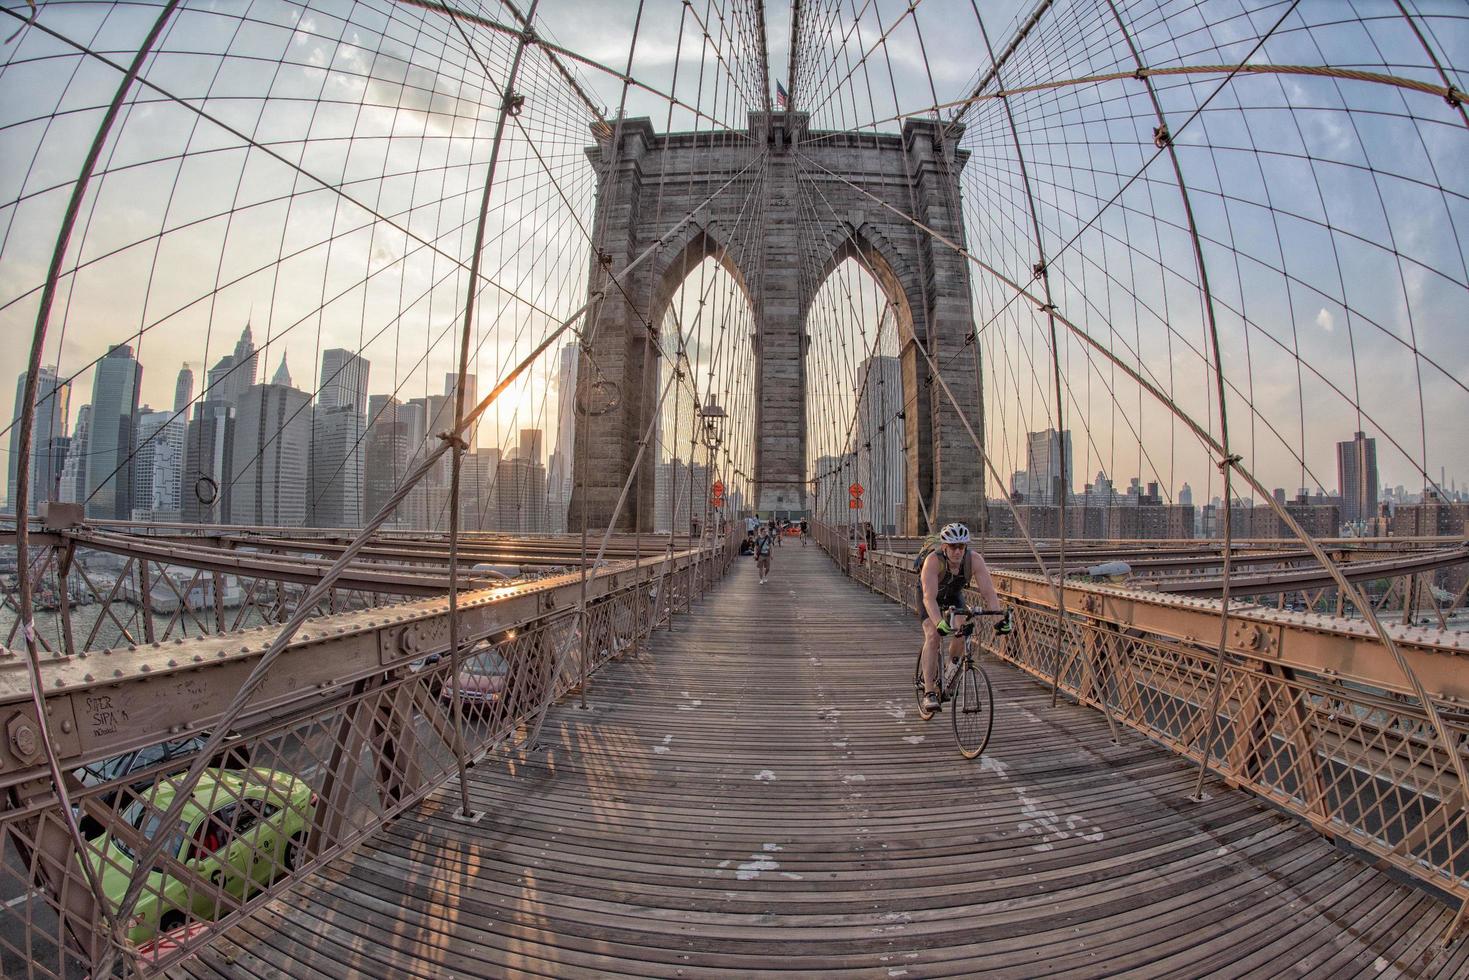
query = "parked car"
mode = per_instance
[
  {"x": 482, "y": 675},
  {"x": 156, "y": 761},
  {"x": 240, "y": 830}
]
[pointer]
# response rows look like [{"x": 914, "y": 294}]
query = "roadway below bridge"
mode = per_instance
[{"x": 754, "y": 793}]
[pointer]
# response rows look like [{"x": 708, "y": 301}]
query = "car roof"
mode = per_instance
[{"x": 219, "y": 786}]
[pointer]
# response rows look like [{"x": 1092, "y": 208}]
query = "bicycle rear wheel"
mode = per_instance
[
  {"x": 923, "y": 713},
  {"x": 973, "y": 710}
]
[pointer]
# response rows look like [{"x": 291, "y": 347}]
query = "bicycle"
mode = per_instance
[{"x": 965, "y": 684}]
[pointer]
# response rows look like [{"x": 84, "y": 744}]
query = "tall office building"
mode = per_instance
[
  {"x": 271, "y": 457},
  {"x": 531, "y": 442},
  {"x": 878, "y": 440},
  {"x": 339, "y": 441},
  {"x": 115, "y": 390},
  {"x": 150, "y": 435},
  {"x": 234, "y": 374},
  {"x": 338, "y": 458},
  {"x": 1048, "y": 466},
  {"x": 563, "y": 455},
  {"x": 520, "y": 494},
  {"x": 471, "y": 399},
  {"x": 1356, "y": 472},
  {"x": 183, "y": 393},
  {"x": 389, "y": 449},
  {"x": 72, "y": 488},
  {"x": 343, "y": 381},
  {"x": 680, "y": 492},
  {"x": 206, "y": 488},
  {"x": 48, "y": 435}
]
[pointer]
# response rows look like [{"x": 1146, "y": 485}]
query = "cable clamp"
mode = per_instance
[
  {"x": 514, "y": 103},
  {"x": 1140, "y": 75},
  {"x": 1038, "y": 271},
  {"x": 1049, "y": 308},
  {"x": 1162, "y": 139},
  {"x": 455, "y": 441},
  {"x": 1228, "y": 461},
  {"x": 1453, "y": 97}
]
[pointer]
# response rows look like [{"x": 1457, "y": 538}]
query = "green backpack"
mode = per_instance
[{"x": 929, "y": 545}]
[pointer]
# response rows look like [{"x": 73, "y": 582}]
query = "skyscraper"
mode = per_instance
[
  {"x": 558, "y": 473},
  {"x": 183, "y": 393},
  {"x": 339, "y": 441},
  {"x": 150, "y": 426},
  {"x": 338, "y": 455},
  {"x": 205, "y": 489},
  {"x": 1048, "y": 466},
  {"x": 343, "y": 380},
  {"x": 471, "y": 399},
  {"x": 520, "y": 493},
  {"x": 1356, "y": 472},
  {"x": 389, "y": 448},
  {"x": 53, "y": 409},
  {"x": 115, "y": 391},
  {"x": 234, "y": 374},
  {"x": 271, "y": 457},
  {"x": 73, "y": 484}
]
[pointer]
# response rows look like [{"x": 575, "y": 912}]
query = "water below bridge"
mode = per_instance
[{"x": 753, "y": 793}]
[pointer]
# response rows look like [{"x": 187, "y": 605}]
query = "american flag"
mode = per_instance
[{"x": 781, "y": 98}]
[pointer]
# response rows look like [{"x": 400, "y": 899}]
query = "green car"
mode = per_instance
[{"x": 240, "y": 830}]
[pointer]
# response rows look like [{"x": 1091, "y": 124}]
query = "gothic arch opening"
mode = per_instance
[
  {"x": 705, "y": 326},
  {"x": 856, "y": 401}
]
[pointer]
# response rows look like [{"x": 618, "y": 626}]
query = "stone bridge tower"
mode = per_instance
[{"x": 760, "y": 230}]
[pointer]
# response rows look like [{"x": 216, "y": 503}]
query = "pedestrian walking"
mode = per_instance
[{"x": 764, "y": 545}]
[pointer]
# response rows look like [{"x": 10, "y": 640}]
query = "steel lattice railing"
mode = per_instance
[
  {"x": 1311, "y": 715},
  {"x": 324, "y": 762}
]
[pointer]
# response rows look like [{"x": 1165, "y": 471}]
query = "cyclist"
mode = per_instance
[{"x": 946, "y": 572}]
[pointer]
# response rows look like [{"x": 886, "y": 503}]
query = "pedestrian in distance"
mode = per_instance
[{"x": 764, "y": 545}]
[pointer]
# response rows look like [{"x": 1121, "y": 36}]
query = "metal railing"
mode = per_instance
[
  {"x": 1314, "y": 715},
  {"x": 353, "y": 726}
]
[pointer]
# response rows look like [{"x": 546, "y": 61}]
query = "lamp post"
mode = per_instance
[{"x": 712, "y": 419}]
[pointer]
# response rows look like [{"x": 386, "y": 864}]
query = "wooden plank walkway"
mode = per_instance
[{"x": 755, "y": 794}]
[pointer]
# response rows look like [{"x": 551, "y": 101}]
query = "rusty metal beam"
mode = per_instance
[
  {"x": 1334, "y": 647},
  {"x": 101, "y": 704}
]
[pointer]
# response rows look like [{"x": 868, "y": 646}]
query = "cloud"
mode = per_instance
[{"x": 1325, "y": 320}]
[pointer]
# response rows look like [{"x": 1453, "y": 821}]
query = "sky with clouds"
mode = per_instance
[{"x": 314, "y": 170}]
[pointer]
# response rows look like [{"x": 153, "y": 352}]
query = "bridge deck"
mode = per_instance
[{"x": 755, "y": 793}]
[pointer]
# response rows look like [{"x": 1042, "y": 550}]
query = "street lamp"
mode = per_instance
[
  {"x": 712, "y": 426},
  {"x": 711, "y": 432}
]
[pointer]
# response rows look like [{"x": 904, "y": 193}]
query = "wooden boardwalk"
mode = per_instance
[{"x": 755, "y": 794}]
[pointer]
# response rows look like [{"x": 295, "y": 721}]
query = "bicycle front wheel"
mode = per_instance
[
  {"x": 918, "y": 687},
  {"x": 972, "y": 710}
]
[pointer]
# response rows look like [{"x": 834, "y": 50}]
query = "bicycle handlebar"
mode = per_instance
[{"x": 969, "y": 611}]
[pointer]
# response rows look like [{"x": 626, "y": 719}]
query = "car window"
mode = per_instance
[
  {"x": 215, "y": 831},
  {"x": 148, "y": 822}
]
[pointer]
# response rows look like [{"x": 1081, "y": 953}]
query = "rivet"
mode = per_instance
[
  {"x": 244, "y": 649},
  {"x": 198, "y": 658},
  {"x": 117, "y": 673},
  {"x": 172, "y": 662},
  {"x": 88, "y": 678},
  {"x": 144, "y": 669}
]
